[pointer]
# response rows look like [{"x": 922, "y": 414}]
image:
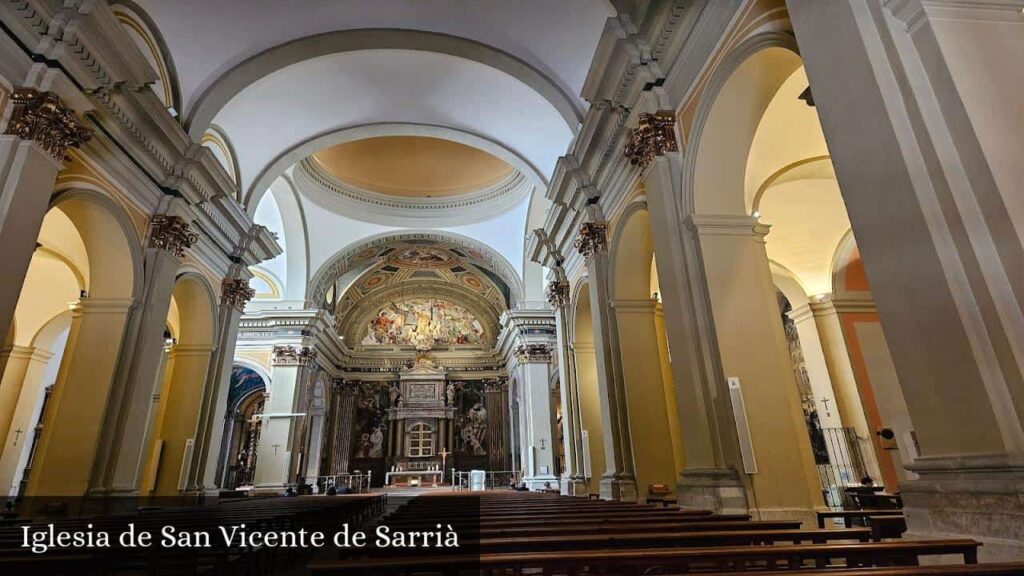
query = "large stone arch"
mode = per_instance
[{"x": 218, "y": 94}]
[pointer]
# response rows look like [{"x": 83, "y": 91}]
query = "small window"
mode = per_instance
[{"x": 421, "y": 441}]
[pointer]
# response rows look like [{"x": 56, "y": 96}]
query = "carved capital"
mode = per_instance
[
  {"x": 533, "y": 353},
  {"x": 171, "y": 233},
  {"x": 236, "y": 292},
  {"x": 44, "y": 119},
  {"x": 591, "y": 240},
  {"x": 653, "y": 136},
  {"x": 294, "y": 356},
  {"x": 558, "y": 293}
]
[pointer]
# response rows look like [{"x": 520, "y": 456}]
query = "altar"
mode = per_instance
[
  {"x": 420, "y": 422},
  {"x": 413, "y": 477}
]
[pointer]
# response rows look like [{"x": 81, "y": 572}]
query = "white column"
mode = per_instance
[
  {"x": 25, "y": 413},
  {"x": 534, "y": 361},
  {"x": 292, "y": 366},
  {"x": 829, "y": 413},
  {"x": 618, "y": 481},
  {"x": 124, "y": 447},
  {"x": 573, "y": 480}
]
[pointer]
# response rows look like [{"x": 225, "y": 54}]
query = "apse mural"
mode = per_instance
[
  {"x": 243, "y": 381},
  {"x": 470, "y": 418},
  {"x": 370, "y": 424},
  {"x": 423, "y": 322}
]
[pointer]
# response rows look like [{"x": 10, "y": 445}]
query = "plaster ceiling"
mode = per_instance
[
  {"x": 791, "y": 183},
  {"x": 208, "y": 38},
  {"x": 412, "y": 166}
]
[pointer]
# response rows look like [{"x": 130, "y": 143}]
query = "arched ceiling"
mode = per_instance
[
  {"x": 206, "y": 39},
  {"x": 791, "y": 184},
  {"x": 412, "y": 166}
]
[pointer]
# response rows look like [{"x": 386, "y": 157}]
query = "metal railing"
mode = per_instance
[
  {"x": 357, "y": 483},
  {"x": 846, "y": 466},
  {"x": 492, "y": 480}
]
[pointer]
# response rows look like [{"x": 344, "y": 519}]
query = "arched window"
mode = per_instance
[{"x": 421, "y": 441}]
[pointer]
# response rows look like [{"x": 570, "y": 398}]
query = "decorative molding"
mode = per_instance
[
  {"x": 533, "y": 353},
  {"x": 171, "y": 233},
  {"x": 592, "y": 239},
  {"x": 44, "y": 119},
  {"x": 237, "y": 292},
  {"x": 294, "y": 356},
  {"x": 654, "y": 136},
  {"x": 558, "y": 293},
  {"x": 332, "y": 193}
]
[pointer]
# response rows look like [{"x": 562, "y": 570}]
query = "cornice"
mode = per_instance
[{"x": 329, "y": 192}]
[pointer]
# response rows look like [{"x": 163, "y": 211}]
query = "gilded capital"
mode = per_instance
[
  {"x": 531, "y": 353},
  {"x": 558, "y": 293},
  {"x": 44, "y": 119},
  {"x": 171, "y": 233},
  {"x": 236, "y": 292},
  {"x": 591, "y": 239},
  {"x": 294, "y": 356},
  {"x": 653, "y": 136}
]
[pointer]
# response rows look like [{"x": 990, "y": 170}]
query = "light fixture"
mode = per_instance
[{"x": 756, "y": 214}]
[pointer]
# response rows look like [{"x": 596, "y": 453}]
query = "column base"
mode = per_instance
[
  {"x": 718, "y": 489},
  {"x": 618, "y": 488},
  {"x": 979, "y": 498},
  {"x": 574, "y": 486}
]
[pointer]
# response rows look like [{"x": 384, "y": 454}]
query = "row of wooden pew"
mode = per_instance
[
  {"x": 277, "y": 514},
  {"x": 528, "y": 533}
]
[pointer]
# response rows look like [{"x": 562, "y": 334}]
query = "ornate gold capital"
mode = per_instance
[
  {"x": 44, "y": 119},
  {"x": 294, "y": 356},
  {"x": 236, "y": 292},
  {"x": 591, "y": 239},
  {"x": 171, "y": 233},
  {"x": 558, "y": 293},
  {"x": 530, "y": 353},
  {"x": 653, "y": 136}
]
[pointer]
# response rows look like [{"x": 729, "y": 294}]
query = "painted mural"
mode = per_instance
[
  {"x": 243, "y": 381},
  {"x": 423, "y": 322},
  {"x": 470, "y": 418},
  {"x": 370, "y": 424}
]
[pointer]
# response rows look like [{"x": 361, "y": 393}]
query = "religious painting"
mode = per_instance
[
  {"x": 423, "y": 322},
  {"x": 421, "y": 257},
  {"x": 370, "y": 423},
  {"x": 243, "y": 381},
  {"x": 470, "y": 418}
]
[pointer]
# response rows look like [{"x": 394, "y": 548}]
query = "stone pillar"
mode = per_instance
[
  {"x": 124, "y": 445},
  {"x": 651, "y": 434},
  {"x": 710, "y": 446},
  {"x": 618, "y": 481},
  {"x": 535, "y": 360},
  {"x": 573, "y": 480},
  {"x": 498, "y": 426},
  {"x": 293, "y": 370},
  {"x": 819, "y": 372},
  {"x": 66, "y": 452},
  {"x": 847, "y": 395},
  {"x": 934, "y": 204},
  {"x": 15, "y": 360},
  {"x": 33, "y": 146},
  {"x": 23, "y": 415},
  {"x": 753, "y": 349},
  {"x": 205, "y": 474}
]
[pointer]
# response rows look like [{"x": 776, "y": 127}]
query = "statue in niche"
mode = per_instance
[
  {"x": 393, "y": 394},
  {"x": 450, "y": 394}
]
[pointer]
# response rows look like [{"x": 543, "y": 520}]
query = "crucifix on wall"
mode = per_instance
[
  {"x": 17, "y": 434},
  {"x": 825, "y": 401},
  {"x": 276, "y": 446}
]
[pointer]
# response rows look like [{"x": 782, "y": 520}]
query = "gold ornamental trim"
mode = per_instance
[
  {"x": 592, "y": 239},
  {"x": 237, "y": 292},
  {"x": 42, "y": 118},
  {"x": 654, "y": 136},
  {"x": 558, "y": 293},
  {"x": 533, "y": 353},
  {"x": 294, "y": 356},
  {"x": 171, "y": 233}
]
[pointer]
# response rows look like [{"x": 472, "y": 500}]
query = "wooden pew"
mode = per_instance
[
  {"x": 665, "y": 559},
  {"x": 848, "y": 515}
]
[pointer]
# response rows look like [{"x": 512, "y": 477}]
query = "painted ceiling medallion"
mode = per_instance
[{"x": 422, "y": 257}]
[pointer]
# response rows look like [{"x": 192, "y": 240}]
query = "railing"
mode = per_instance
[
  {"x": 492, "y": 480},
  {"x": 357, "y": 483},
  {"x": 846, "y": 466}
]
